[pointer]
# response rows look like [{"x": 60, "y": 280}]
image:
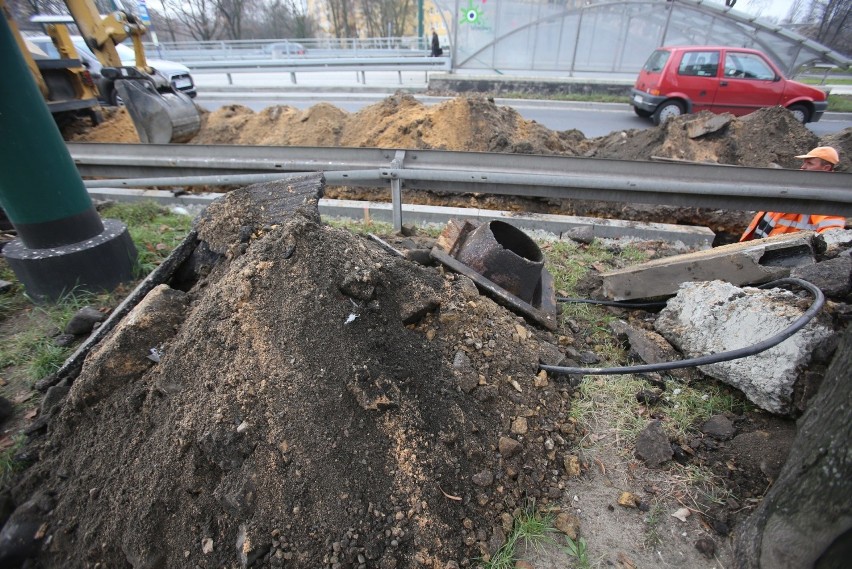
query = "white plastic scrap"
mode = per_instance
[{"x": 155, "y": 355}]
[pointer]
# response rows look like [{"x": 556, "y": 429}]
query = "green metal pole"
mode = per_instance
[
  {"x": 39, "y": 183},
  {"x": 59, "y": 230}
]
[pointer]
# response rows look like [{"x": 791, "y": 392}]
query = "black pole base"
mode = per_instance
[{"x": 94, "y": 265}]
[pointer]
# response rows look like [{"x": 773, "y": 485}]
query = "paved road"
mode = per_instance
[{"x": 592, "y": 119}]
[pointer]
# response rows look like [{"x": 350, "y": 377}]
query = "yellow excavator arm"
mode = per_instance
[
  {"x": 159, "y": 113},
  {"x": 102, "y": 33}
]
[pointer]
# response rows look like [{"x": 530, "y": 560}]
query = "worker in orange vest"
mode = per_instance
[{"x": 767, "y": 223}]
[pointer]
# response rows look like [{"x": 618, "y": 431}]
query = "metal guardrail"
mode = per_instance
[
  {"x": 297, "y": 64},
  {"x": 553, "y": 177}
]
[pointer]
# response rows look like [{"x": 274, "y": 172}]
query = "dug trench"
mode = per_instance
[
  {"x": 318, "y": 402},
  {"x": 770, "y": 137}
]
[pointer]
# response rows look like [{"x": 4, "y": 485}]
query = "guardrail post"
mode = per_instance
[
  {"x": 230, "y": 79},
  {"x": 399, "y": 72},
  {"x": 293, "y": 77},
  {"x": 396, "y": 190},
  {"x": 363, "y": 77}
]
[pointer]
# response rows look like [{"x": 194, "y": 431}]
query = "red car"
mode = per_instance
[{"x": 689, "y": 79}]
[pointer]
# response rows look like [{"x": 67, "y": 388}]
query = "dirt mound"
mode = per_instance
[
  {"x": 762, "y": 139},
  {"x": 768, "y": 137},
  {"x": 399, "y": 121},
  {"x": 116, "y": 127},
  {"x": 317, "y": 402}
]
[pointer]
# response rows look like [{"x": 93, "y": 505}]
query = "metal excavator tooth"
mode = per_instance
[{"x": 159, "y": 118}]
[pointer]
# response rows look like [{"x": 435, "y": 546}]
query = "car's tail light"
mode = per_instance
[{"x": 86, "y": 78}]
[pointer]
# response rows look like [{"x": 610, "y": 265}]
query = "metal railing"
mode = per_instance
[
  {"x": 308, "y": 48},
  {"x": 553, "y": 177},
  {"x": 294, "y": 65},
  {"x": 303, "y": 55}
]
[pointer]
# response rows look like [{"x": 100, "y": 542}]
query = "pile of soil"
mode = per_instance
[
  {"x": 767, "y": 137},
  {"x": 317, "y": 402}
]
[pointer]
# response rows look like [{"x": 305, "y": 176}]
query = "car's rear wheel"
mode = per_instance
[
  {"x": 642, "y": 113},
  {"x": 800, "y": 112},
  {"x": 667, "y": 110},
  {"x": 114, "y": 98}
]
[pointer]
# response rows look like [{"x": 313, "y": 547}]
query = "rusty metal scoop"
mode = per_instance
[{"x": 504, "y": 263}]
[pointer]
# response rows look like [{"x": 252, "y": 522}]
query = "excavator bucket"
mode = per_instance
[{"x": 159, "y": 118}]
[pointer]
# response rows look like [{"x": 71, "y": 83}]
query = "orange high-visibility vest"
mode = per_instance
[{"x": 767, "y": 223}]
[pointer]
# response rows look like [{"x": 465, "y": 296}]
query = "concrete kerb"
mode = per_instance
[{"x": 556, "y": 225}]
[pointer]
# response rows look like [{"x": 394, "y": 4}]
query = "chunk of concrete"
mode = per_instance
[
  {"x": 751, "y": 262},
  {"x": 645, "y": 345},
  {"x": 833, "y": 277},
  {"x": 650, "y": 347},
  {"x": 241, "y": 215},
  {"x": 833, "y": 241},
  {"x": 652, "y": 445},
  {"x": 122, "y": 357},
  {"x": 705, "y": 125},
  {"x": 714, "y": 317}
]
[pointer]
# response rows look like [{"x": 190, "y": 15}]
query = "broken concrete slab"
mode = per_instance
[
  {"x": 713, "y": 317},
  {"x": 752, "y": 262},
  {"x": 650, "y": 347},
  {"x": 645, "y": 345},
  {"x": 702, "y": 124},
  {"x": 120, "y": 358}
]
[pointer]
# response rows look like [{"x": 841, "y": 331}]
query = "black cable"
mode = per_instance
[{"x": 816, "y": 306}]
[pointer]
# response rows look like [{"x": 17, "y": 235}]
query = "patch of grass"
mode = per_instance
[
  {"x": 361, "y": 227},
  {"x": 581, "y": 97},
  {"x": 652, "y": 527},
  {"x": 14, "y": 299},
  {"x": 568, "y": 263},
  {"x": 530, "y": 527},
  {"x": 690, "y": 405},
  {"x": 32, "y": 348},
  {"x": 830, "y": 81},
  {"x": 380, "y": 228},
  {"x": 840, "y": 103},
  {"x": 577, "y": 550},
  {"x": 8, "y": 464},
  {"x": 836, "y": 103},
  {"x": 606, "y": 406},
  {"x": 154, "y": 229},
  {"x": 611, "y": 401}
]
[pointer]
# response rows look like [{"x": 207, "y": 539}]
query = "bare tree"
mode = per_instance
[
  {"x": 387, "y": 17},
  {"x": 277, "y": 19},
  {"x": 342, "y": 18},
  {"x": 233, "y": 12},
  {"x": 828, "y": 22},
  {"x": 198, "y": 17}
]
